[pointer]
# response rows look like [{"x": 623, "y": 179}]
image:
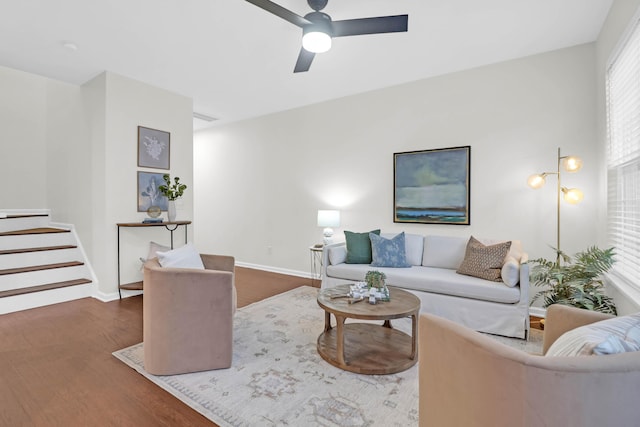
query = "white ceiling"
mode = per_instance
[{"x": 236, "y": 60}]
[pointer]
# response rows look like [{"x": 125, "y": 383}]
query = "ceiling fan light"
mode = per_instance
[{"x": 316, "y": 41}]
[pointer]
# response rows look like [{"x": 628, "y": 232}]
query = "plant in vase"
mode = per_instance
[
  {"x": 578, "y": 284},
  {"x": 376, "y": 279},
  {"x": 172, "y": 191}
]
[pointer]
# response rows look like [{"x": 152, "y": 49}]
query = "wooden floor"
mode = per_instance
[{"x": 56, "y": 367}]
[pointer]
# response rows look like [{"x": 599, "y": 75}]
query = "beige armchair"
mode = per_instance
[
  {"x": 469, "y": 379},
  {"x": 188, "y": 316}
]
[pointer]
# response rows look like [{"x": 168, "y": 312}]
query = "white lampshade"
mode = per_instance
[{"x": 328, "y": 218}]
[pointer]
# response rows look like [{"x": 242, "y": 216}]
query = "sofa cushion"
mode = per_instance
[
  {"x": 611, "y": 336},
  {"x": 337, "y": 254},
  {"x": 483, "y": 261},
  {"x": 388, "y": 252},
  {"x": 437, "y": 280},
  {"x": 510, "y": 272},
  {"x": 359, "y": 247},
  {"x": 444, "y": 251},
  {"x": 184, "y": 257},
  {"x": 413, "y": 246}
]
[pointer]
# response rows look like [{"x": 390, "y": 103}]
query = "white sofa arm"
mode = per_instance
[{"x": 325, "y": 258}]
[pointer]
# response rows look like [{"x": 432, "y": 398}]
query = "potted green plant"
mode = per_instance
[
  {"x": 376, "y": 279},
  {"x": 172, "y": 191},
  {"x": 576, "y": 283}
]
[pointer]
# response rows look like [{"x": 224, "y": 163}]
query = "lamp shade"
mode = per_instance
[
  {"x": 536, "y": 181},
  {"x": 328, "y": 218},
  {"x": 572, "y": 163},
  {"x": 572, "y": 195}
]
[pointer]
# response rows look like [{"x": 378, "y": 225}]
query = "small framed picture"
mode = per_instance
[
  {"x": 153, "y": 148},
  {"x": 148, "y": 192}
]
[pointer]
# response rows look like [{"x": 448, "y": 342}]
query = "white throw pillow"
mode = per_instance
[
  {"x": 154, "y": 248},
  {"x": 510, "y": 272},
  {"x": 611, "y": 336},
  {"x": 185, "y": 257},
  {"x": 337, "y": 254}
]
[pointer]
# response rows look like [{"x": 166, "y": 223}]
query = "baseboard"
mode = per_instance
[
  {"x": 112, "y": 296},
  {"x": 286, "y": 271},
  {"x": 538, "y": 312}
]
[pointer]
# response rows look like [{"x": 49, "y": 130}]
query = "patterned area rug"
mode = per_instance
[{"x": 277, "y": 377}]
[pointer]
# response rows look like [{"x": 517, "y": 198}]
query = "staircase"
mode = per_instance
[{"x": 40, "y": 263}]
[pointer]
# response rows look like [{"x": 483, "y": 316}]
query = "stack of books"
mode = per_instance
[{"x": 152, "y": 220}]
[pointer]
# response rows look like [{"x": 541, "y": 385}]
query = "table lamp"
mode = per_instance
[{"x": 328, "y": 219}]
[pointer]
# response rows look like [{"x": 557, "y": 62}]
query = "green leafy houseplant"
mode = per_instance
[
  {"x": 375, "y": 279},
  {"x": 172, "y": 191},
  {"x": 578, "y": 284}
]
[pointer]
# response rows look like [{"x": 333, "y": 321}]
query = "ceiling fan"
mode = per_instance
[{"x": 318, "y": 28}]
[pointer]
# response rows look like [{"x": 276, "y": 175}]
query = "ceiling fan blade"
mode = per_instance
[
  {"x": 304, "y": 60},
  {"x": 381, "y": 24},
  {"x": 280, "y": 11}
]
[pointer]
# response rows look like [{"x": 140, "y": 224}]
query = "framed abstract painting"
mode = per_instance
[
  {"x": 153, "y": 148},
  {"x": 148, "y": 192},
  {"x": 432, "y": 186}
]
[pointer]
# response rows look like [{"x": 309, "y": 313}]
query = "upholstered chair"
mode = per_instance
[
  {"x": 470, "y": 379},
  {"x": 188, "y": 316}
]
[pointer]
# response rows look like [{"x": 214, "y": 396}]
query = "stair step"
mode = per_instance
[
  {"x": 46, "y": 287},
  {"x": 10, "y": 216},
  {"x": 40, "y": 267},
  {"x": 40, "y": 230},
  {"x": 39, "y": 249}
]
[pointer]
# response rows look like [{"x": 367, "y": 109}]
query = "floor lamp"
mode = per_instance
[{"x": 570, "y": 195}]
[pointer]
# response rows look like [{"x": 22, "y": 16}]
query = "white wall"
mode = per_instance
[
  {"x": 74, "y": 150},
  {"x": 260, "y": 182},
  {"x": 627, "y": 300},
  {"x": 117, "y": 106},
  {"x": 23, "y": 163}
]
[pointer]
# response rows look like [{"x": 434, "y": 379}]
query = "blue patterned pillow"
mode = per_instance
[{"x": 388, "y": 252}]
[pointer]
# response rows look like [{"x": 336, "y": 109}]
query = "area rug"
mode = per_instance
[{"x": 277, "y": 377}]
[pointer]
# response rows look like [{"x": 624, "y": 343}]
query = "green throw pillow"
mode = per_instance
[{"x": 359, "y": 247}]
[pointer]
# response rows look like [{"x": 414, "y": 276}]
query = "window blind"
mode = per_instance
[{"x": 623, "y": 157}]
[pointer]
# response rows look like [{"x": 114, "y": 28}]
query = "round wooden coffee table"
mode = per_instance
[{"x": 368, "y": 348}]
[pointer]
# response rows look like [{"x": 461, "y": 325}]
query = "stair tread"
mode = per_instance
[
  {"x": 39, "y": 230},
  {"x": 10, "y": 216},
  {"x": 45, "y": 287},
  {"x": 38, "y": 249},
  {"x": 40, "y": 267}
]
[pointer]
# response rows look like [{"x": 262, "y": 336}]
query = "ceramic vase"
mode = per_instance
[{"x": 171, "y": 211}]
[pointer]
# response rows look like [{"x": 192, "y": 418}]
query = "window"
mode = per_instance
[{"x": 623, "y": 157}]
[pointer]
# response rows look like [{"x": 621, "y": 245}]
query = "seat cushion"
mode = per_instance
[{"x": 436, "y": 280}]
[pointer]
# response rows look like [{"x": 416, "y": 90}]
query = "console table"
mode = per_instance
[{"x": 171, "y": 226}]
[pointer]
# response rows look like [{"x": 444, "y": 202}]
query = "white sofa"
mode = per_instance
[{"x": 479, "y": 304}]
